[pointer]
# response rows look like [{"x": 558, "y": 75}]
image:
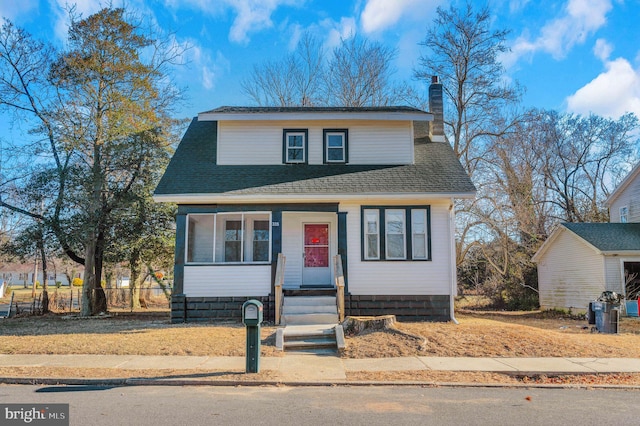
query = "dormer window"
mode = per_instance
[
  {"x": 295, "y": 146},
  {"x": 624, "y": 214},
  {"x": 335, "y": 145}
]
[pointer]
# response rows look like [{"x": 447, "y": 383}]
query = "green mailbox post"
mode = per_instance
[{"x": 252, "y": 317}]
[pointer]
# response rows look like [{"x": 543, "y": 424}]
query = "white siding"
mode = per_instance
[
  {"x": 260, "y": 142},
  {"x": 227, "y": 280},
  {"x": 613, "y": 274},
  {"x": 629, "y": 197},
  {"x": 401, "y": 277},
  {"x": 570, "y": 273},
  {"x": 292, "y": 242}
]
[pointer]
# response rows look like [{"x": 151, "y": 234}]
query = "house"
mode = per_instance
[
  {"x": 21, "y": 274},
  {"x": 374, "y": 185},
  {"x": 579, "y": 261}
]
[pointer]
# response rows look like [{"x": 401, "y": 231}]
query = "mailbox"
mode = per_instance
[
  {"x": 252, "y": 312},
  {"x": 252, "y": 317}
]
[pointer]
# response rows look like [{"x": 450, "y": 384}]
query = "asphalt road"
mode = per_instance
[{"x": 384, "y": 405}]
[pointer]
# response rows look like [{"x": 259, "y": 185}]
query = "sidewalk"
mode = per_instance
[{"x": 324, "y": 369}]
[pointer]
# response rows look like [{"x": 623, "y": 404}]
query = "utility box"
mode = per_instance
[
  {"x": 252, "y": 314},
  {"x": 607, "y": 316}
]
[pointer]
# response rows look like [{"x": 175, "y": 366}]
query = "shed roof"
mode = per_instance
[{"x": 608, "y": 237}]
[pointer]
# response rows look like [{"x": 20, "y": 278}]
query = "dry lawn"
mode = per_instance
[{"x": 486, "y": 334}]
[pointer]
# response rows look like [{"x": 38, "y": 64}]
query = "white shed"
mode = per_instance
[{"x": 581, "y": 260}]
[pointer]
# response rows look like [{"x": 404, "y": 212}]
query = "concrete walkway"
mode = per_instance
[{"x": 322, "y": 369}]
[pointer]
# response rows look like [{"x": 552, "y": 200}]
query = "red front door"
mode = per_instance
[{"x": 316, "y": 270}]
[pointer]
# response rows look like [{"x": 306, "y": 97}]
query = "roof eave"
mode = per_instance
[
  {"x": 317, "y": 115},
  {"x": 203, "y": 198},
  {"x": 621, "y": 252}
]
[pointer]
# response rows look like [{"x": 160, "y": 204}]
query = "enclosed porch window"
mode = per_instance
[{"x": 229, "y": 238}]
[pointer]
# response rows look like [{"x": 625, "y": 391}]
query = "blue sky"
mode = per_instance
[{"x": 577, "y": 56}]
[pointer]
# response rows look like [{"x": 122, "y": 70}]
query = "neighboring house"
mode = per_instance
[
  {"x": 370, "y": 184},
  {"x": 17, "y": 274},
  {"x": 624, "y": 202},
  {"x": 581, "y": 260}
]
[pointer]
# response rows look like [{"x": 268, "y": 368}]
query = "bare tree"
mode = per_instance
[
  {"x": 462, "y": 49},
  {"x": 295, "y": 80},
  {"x": 583, "y": 158},
  {"x": 358, "y": 74}
]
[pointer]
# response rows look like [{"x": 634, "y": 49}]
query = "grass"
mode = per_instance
[
  {"x": 483, "y": 334},
  {"x": 478, "y": 334}
]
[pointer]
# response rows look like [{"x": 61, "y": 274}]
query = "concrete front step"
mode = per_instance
[
  {"x": 309, "y": 309},
  {"x": 310, "y": 337},
  {"x": 308, "y": 343},
  {"x": 309, "y": 300},
  {"x": 310, "y": 318}
]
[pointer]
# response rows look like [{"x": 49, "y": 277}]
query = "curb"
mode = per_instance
[{"x": 255, "y": 383}]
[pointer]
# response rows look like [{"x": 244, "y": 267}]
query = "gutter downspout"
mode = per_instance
[{"x": 452, "y": 257}]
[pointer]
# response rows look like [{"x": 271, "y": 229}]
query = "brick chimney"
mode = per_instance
[{"x": 436, "y": 107}]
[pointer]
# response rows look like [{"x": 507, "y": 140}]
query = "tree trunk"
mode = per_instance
[
  {"x": 357, "y": 325},
  {"x": 45, "y": 285},
  {"x": 89, "y": 279},
  {"x": 134, "y": 286},
  {"x": 99, "y": 298},
  {"x": 110, "y": 288}
]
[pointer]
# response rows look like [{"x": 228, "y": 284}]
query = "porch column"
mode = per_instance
[
  {"x": 342, "y": 247},
  {"x": 276, "y": 243},
  {"x": 178, "y": 268}
]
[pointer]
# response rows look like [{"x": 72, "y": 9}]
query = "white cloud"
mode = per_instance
[
  {"x": 338, "y": 31},
  {"x": 580, "y": 19},
  {"x": 14, "y": 9},
  {"x": 378, "y": 15},
  {"x": 517, "y": 5},
  {"x": 602, "y": 49},
  {"x": 613, "y": 93},
  {"x": 208, "y": 68},
  {"x": 250, "y": 15},
  {"x": 84, "y": 8}
]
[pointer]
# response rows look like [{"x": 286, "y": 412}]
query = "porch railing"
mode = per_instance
[
  {"x": 337, "y": 259},
  {"x": 279, "y": 281}
]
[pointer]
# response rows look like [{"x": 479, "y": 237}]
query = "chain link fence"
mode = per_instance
[{"x": 69, "y": 300}]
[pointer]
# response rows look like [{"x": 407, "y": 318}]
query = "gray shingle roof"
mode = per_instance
[
  {"x": 193, "y": 170},
  {"x": 608, "y": 237},
  {"x": 257, "y": 110}
]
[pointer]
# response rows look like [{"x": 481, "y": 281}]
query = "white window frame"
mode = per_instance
[
  {"x": 188, "y": 241},
  {"x": 421, "y": 235},
  {"x": 367, "y": 234},
  {"x": 387, "y": 212},
  {"x": 624, "y": 214},
  {"x": 288, "y": 148},
  {"x": 239, "y": 240},
  {"x": 343, "y": 148},
  {"x": 246, "y": 232},
  {"x": 253, "y": 238}
]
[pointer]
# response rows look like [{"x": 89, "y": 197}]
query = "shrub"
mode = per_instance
[{"x": 76, "y": 282}]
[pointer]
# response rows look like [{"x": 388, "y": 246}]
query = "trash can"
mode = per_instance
[
  {"x": 591, "y": 315},
  {"x": 607, "y": 316}
]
